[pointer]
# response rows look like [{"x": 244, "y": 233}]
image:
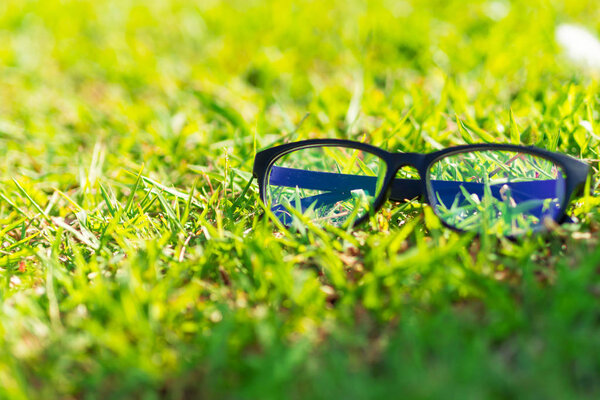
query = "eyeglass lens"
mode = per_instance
[
  {"x": 504, "y": 192},
  {"x": 328, "y": 185}
]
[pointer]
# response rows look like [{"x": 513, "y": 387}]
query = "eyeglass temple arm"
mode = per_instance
[{"x": 402, "y": 189}]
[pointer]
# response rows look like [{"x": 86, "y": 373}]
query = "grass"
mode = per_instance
[{"x": 133, "y": 259}]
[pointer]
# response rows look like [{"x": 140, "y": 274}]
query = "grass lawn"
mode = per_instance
[{"x": 133, "y": 259}]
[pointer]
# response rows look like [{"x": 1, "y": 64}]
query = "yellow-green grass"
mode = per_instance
[{"x": 133, "y": 259}]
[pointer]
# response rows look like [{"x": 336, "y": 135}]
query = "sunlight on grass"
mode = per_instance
[{"x": 135, "y": 261}]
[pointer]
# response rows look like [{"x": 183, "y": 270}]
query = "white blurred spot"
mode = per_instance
[
  {"x": 580, "y": 45},
  {"x": 14, "y": 281},
  {"x": 216, "y": 316},
  {"x": 587, "y": 125},
  {"x": 497, "y": 10}
]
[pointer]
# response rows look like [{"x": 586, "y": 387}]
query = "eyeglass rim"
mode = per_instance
[{"x": 576, "y": 171}]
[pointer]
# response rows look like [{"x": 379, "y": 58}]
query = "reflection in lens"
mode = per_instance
[
  {"x": 328, "y": 185},
  {"x": 492, "y": 191}
]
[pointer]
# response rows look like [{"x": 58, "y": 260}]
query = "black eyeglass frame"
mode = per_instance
[{"x": 396, "y": 189}]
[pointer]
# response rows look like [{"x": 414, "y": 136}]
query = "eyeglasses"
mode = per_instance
[{"x": 489, "y": 188}]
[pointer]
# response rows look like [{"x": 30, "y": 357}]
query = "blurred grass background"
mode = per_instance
[{"x": 133, "y": 263}]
